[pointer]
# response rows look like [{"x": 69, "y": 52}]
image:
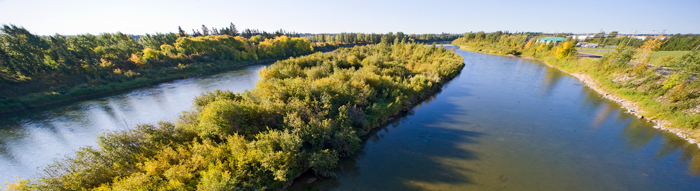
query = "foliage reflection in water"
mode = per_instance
[
  {"x": 32, "y": 139},
  {"x": 513, "y": 124}
]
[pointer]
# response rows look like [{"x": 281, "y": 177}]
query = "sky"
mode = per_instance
[{"x": 69, "y": 17}]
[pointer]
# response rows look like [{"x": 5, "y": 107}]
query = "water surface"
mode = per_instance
[
  {"x": 513, "y": 124},
  {"x": 30, "y": 140},
  {"x": 503, "y": 124}
]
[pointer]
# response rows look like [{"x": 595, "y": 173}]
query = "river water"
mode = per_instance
[
  {"x": 503, "y": 124},
  {"x": 513, "y": 124},
  {"x": 32, "y": 139}
]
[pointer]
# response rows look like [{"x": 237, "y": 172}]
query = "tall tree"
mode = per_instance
[
  {"x": 234, "y": 32},
  {"x": 205, "y": 30},
  {"x": 182, "y": 32},
  {"x": 196, "y": 33},
  {"x": 24, "y": 51}
]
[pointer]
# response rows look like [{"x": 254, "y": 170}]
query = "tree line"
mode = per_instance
[
  {"x": 232, "y": 31},
  {"x": 612, "y": 39},
  {"x": 304, "y": 113},
  {"x": 676, "y": 42},
  {"x": 38, "y": 69},
  {"x": 373, "y": 38}
]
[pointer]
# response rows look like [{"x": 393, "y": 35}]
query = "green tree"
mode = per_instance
[
  {"x": 23, "y": 51},
  {"x": 205, "y": 30},
  {"x": 234, "y": 31},
  {"x": 181, "y": 32}
]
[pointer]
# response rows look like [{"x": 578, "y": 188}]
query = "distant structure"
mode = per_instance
[
  {"x": 547, "y": 40},
  {"x": 586, "y": 44},
  {"x": 581, "y": 37}
]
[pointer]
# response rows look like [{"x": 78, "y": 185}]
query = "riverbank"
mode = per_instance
[
  {"x": 90, "y": 92},
  {"x": 608, "y": 92},
  {"x": 81, "y": 93},
  {"x": 308, "y": 176},
  {"x": 304, "y": 113},
  {"x": 631, "y": 107}
]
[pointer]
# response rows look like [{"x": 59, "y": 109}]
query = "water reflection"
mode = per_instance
[
  {"x": 550, "y": 79},
  {"x": 32, "y": 139},
  {"x": 509, "y": 124}
]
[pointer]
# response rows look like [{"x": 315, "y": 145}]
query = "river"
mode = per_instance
[
  {"x": 32, "y": 139},
  {"x": 503, "y": 124},
  {"x": 513, "y": 124}
]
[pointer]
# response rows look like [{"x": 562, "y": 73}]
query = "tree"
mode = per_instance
[
  {"x": 566, "y": 49},
  {"x": 597, "y": 37},
  {"x": 205, "y": 30},
  {"x": 155, "y": 41},
  {"x": 24, "y": 52},
  {"x": 196, "y": 33},
  {"x": 234, "y": 32},
  {"x": 182, "y": 32}
]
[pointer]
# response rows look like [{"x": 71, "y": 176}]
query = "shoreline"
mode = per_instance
[
  {"x": 631, "y": 106},
  {"x": 148, "y": 83},
  {"x": 135, "y": 86},
  {"x": 408, "y": 110}
]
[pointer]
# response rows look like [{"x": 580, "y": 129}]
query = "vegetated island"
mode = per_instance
[
  {"x": 37, "y": 70},
  {"x": 664, "y": 90},
  {"x": 304, "y": 114},
  {"x": 43, "y": 70}
]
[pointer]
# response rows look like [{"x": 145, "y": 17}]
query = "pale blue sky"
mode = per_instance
[{"x": 47, "y": 17}]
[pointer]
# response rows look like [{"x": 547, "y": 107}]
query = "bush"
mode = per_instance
[{"x": 305, "y": 113}]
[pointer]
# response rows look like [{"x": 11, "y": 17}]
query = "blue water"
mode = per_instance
[
  {"x": 503, "y": 124},
  {"x": 33, "y": 139},
  {"x": 512, "y": 124}
]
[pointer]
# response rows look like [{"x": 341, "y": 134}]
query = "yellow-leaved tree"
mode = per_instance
[{"x": 566, "y": 49}]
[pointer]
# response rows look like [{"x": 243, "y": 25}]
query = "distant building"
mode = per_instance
[
  {"x": 547, "y": 40},
  {"x": 587, "y": 45},
  {"x": 581, "y": 37},
  {"x": 640, "y": 37}
]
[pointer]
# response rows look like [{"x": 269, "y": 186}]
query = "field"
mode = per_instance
[
  {"x": 654, "y": 55},
  {"x": 657, "y": 54}
]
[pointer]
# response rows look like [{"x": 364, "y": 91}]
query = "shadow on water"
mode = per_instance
[
  {"x": 507, "y": 137},
  {"x": 33, "y": 138},
  {"x": 414, "y": 150},
  {"x": 412, "y": 165}
]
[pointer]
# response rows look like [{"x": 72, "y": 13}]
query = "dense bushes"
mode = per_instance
[
  {"x": 497, "y": 42},
  {"x": 37, "y": 70},
  {"x": 304, "y": 113}
]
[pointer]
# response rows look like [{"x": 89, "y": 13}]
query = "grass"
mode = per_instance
[
  {"x": 657, "y": 54},
  {"x": 654, "y": 55},
  {"x": 644, "y": 89}
]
